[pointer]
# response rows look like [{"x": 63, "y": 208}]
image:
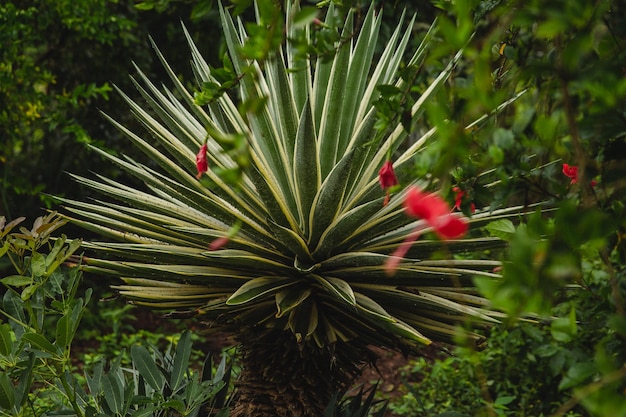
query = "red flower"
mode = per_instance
[
  {"x": 571, "y": 171},
  {"x": 387, "y": 178},
  {"x": 436, "y": 212},
  {"x": 458, "y": 199},
  {"x": 201, "y": 163}
]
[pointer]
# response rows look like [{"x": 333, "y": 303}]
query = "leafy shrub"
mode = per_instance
[
  {"x": 38, "y": 373},
  {"x": 570, "y": 365}
]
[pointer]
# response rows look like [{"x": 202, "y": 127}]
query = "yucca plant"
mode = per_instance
[{"x": 307, "y": 260}]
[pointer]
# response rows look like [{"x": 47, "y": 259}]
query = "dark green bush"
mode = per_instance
[{"x": 570, "y": 365}]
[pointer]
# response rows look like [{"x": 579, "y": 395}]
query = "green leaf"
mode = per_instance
[
  {"x": 333, "y": 104},
  {"x": 564, "y": 329},
  {"x": 304, "y": 16},
  {"x": 38, "y": 264},
  {"x": 357, "y": 79},
  {"x": 503, "y": 228},
  {"x": 344, "y": 226},
  {"x": 17, "y": 280},
  {"x": 13, "y": 305},
  {"x": 285, "y": 108},
  {"x": 7, "y": 392},
  {"x": 94, "y": 382},
  {"x": 291, "y": 240},
  {"x": 5, "y": 248},
  {"x": 148, "y": 370},
  {"x": 241, "y": 259},
  {"x": 508, "y": 399},
  {"x": 322, "y": 70},
  {"x": 56, "y": 249},
  {"x": 146, "y": 5},
  {"x": 40, "y": 342},
  {"x": 329, "y": 198},
  {"x": 29, "y": 291},
  {"x": 147, "y": 411},
  {"x": 6, "y": 341},
  {"x": 578, "y": 374},
  {"x": 371, "y": 307},
  {"x": 64, "y": 331},
  {"x": 258, "y": 287},
  {"x": 303, "y": 321},
  {"x": 24, "y": 386},
  {"x": 181, "y": 360},
  {"x": 53, "y": 262},
  {"x": 289, "y": 299},
  {"x": 113, "y": 393},
  {"x": 337, "y": 287},
  {"x": 406, "y": 331},
  {"x": 306, "y": 170}
]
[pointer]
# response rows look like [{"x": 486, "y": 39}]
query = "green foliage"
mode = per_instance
[
  {"x": 569, "y": 60},
  {"x": 544, "y": 256},
  {"x": 42, "y": 315},
  {"x": 523, "y": 371},
  {"x": 361, "y": 404},
  {"x": 59, "y": 61},
  {"x": 41, "y": 95},
  {"x": 571, "y": 364}
]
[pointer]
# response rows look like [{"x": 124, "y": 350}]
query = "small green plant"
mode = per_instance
[
  {"x": 42, "y": 312},
  {"x": 361, "y": 404}
]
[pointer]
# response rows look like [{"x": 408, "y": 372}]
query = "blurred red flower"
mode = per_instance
[
  {"x": 219, "y": 243},
  {"x": 436, "y": 212},
  {"x": 571, "y": 171},
  {"x": 201, "y": 162}
]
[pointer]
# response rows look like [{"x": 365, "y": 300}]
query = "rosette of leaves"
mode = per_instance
[{"x": 301, "y": 280}]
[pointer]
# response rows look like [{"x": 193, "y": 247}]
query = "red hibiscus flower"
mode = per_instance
[
  {"x": 387, "y": 179},
  {"x": 201, "y": 162},
  {"x": 571, "y": 171},
  {"x": 436, "y": 212}
]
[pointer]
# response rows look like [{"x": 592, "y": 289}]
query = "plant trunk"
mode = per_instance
[{"x": 283, "y": 378}]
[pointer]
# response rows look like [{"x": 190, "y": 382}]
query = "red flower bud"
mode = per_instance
[
  {"x": 201, "y": 162},
  {"x": 386, "y": 176}
]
